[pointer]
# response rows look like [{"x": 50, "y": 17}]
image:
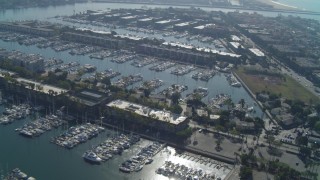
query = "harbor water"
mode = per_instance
[{"x": 44, "y": 160}]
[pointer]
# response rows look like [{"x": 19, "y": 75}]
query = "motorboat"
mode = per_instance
[{"x": 91, "y": 157}]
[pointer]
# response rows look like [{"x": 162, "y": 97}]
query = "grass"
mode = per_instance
[{"x": 284, "y": 85}]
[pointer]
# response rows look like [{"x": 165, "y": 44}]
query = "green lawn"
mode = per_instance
[{"x": 287, "y": 86}]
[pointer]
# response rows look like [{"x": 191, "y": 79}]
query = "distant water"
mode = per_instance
[
  {"x": 308, "y": 5},
  {"x": 43, "y": 13}
]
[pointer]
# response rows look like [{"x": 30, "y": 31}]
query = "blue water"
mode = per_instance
[
  {"x": 309, "y": 5},
  {"x": 42, "y": 13}
]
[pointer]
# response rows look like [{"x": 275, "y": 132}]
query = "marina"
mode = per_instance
[
  {"x": 144, "y": 157},
  {"x": 16, "y": 112},
  {"x": 143, "y": 62},
  {"x": 128, "y": 80},
  {"x": 110, "y": 147},
  {"x": 40, "y": 126},
  {"x": 76, "y": 135},
  {"x": 204, "y": 75},
  {"x": 233, "y": 81},
  {"x": 71, "y": 164},
  {"x": 182, "y": 70},
  {"x": 200, "y": 92},
  {"x": 174, "y": 88},
  {"x": 134, "y": 148},
  {"x": 151, "y": 84}
]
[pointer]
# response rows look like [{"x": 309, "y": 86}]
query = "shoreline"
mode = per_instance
[
  {"x": 235, "y": 8},
  {"x": 279, "y": 6}
]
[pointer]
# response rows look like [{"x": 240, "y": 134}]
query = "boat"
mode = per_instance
[
  {"x": 19, "y": 174},
  {"x": 139, "y": 168},
  {"x": 124, "y": 169},
  {"x": 91, "y": 157},
  {"x": 149, "y": 161}
]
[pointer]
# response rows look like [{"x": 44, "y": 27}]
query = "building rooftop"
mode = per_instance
[
  {"x": 235, "y": 38},
  {"x": 236, "y": 45},
  {"x": 257, "y": 52},
  {"x": 204, "y": 26},
  {"x": 145, "y": 19},
  {"x": 128, "y": 17},
  {"x": 160, "y": 115},
  {"x": 183, "y": 24},
  {"x": 163, "y": 21}
]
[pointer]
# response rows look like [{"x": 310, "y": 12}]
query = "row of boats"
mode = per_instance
[
  {"x": 174, "y": 88},
  {"x": 40, "y": 126},
  {"x": 128, "y": 80},
  {"x": 17, "y": 174},
  {"x": 182, "y": 70},
  {"x": 110, "y": 147},
  {"x": 144, "y": 157},
  {"x": 151, "y": 84},
  {"x": 233, "y": 81},
  {"x": 204, "y": 75},
  {"x": 177, "y": 171},
  {"x": 143, "y": 62},
  {"x": 198, "y": 92},
  {"x": 77, "y": 134},
  {"x": 16, "y": 112},
  {"x": 219, "y": 100}
]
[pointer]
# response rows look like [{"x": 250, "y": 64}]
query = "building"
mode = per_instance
[
  {"x": 165, "y": 23},
  {"x": 27, "y": 29},
  {"x": 244, "y": 126},
  {"x": 95, "y": 40},
  {"x": 161, "y": 119},
  {"x": 91, "y": 98},
  {"x": 257, "y": 53},
  {"x": 145, "y": 22},
  {"x": 31, "y": 62}
]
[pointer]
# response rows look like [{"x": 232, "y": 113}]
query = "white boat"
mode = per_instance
[{"x": 92, "y": 157}]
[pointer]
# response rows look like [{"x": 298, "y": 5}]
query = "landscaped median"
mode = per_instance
[{"x": 259, "y": 80}]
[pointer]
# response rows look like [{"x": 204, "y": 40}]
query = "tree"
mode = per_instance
[
  {"x": 242, "y": 102},
  {"x": 106, "y": 81},
  {"x": 317, "y": 126},
  {"x": 175, "y": 98},
  {"x": 146, "y": 92},
  {"x": 245, "y": 173},
  {"x": 305, "y": 151},
  {"x": 302, "y": 140},
  {"x": 176, "y": 109}
]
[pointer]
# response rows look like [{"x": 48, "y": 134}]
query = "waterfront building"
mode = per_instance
[
  {"x": 90, "y": 98},
  {"x": 145, "y": 22},
  {"x": 161, "y": 119},
  {"x": 27, "y": 28},
  {"x": 31, "y": 62},
  {"x": 94, "y": 40},
  {"x": 257, "y": 53}
]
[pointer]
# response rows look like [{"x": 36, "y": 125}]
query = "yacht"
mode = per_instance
[{"x": 92, "y": 157}]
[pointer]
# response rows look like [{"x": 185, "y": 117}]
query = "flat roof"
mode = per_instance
[
  {"x": 163, "y": 21},
  {"x": 203, "y": 26},
  {"x": 145, "y": 19},
  {"x": 235, "y": 38},
  {"x": 159, "y": 115},
  {"x": 208, "y": 50},
  {"x": 257, "y": 52},
  {"x": 236, "y": 45},
  {"x": 135, "y": 38},
  {"x": 87, "y": 93},
  {"x": 183, "y": 24},
  {"x": 128, "y": 17}
]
